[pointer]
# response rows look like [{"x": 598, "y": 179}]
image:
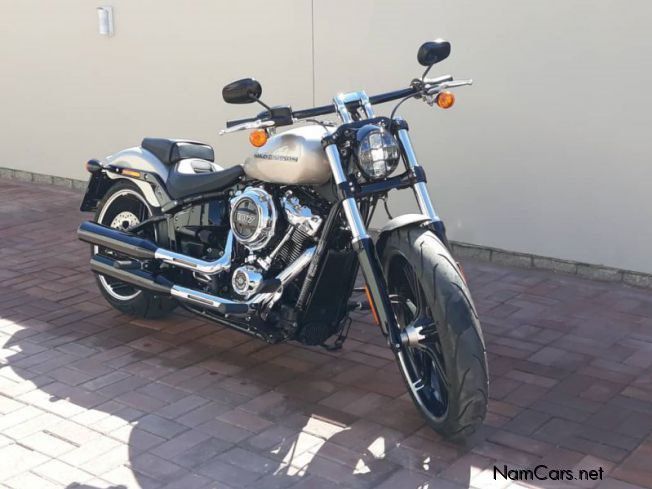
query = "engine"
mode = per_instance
[{"x": 273, "y": 236}]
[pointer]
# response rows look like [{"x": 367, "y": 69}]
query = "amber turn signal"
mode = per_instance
[
  {"x": 258, "y": 137},
  {"x": 445, "y": 100},
  {"x": 131, "y": 173}
]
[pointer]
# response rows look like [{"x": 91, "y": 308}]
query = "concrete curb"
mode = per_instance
[
  {"x": 525, "y": 260},
  {"x": 26, "y": 176},
  {"x": 461, "y": 250}
]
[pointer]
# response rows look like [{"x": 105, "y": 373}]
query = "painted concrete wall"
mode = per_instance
[{"x": 548, "y": 153}]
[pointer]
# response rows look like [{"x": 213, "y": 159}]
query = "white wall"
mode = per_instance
[{"x": 548, "y": 153}]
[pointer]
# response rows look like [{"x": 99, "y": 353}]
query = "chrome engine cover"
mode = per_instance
[
  {"x": 246, "y": 280},
  {"x": 300, "y": 216},
  {"x": 253, "y": 217}
]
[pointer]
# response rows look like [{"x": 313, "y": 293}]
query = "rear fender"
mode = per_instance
[
  {"x": 136, "y": 158},
  {"x": 101, "y": 181}
]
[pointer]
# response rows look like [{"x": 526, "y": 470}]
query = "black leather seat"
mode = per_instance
[
  {"x": 169, "y": 151},
  {"x": 180, "y": 185}
]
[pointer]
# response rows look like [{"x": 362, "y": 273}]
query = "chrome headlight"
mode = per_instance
[{"x": 377, "y": 152}]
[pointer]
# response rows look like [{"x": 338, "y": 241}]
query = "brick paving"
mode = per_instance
[{"x": 94, "y": 399}]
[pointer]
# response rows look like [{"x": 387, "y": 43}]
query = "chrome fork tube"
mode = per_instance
[
  {"x": 420, "y": 189},
  {"x": 351, "y": 211}
]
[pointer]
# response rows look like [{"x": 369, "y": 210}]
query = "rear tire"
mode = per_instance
[
  {"x": 453, "y": 395},
  {"x": 124, "y": 206}
]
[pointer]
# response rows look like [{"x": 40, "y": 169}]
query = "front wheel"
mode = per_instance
[{"x": 444, "y": 363}]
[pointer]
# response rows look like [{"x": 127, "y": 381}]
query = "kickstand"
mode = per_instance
[{"x": 344, "y": 332}]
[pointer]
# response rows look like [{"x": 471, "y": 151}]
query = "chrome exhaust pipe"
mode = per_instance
[
  {"x": 137, "y": 247},
  {"x": 156, "y": 283}
]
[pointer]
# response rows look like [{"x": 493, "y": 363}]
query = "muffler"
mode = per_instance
[
  {"x": 136, "y": 247},
  {"x": 159, "y": 284},
  {"x": 138, "y": 278},
  {"x": 114, "y": 239}
]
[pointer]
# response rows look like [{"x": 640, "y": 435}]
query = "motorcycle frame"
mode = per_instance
[{"x": 348, "y": 191}]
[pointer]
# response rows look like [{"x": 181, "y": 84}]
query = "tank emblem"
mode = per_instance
[{"x": 270, "y": 156}]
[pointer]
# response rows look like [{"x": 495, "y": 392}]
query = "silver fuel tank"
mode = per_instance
[{"x": 293, "y": 157}]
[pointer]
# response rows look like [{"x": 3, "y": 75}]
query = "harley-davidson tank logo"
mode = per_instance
[{"x": 270, "y": 156}]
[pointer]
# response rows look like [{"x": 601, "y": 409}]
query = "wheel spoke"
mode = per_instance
[{"x": 438, "y": 364}]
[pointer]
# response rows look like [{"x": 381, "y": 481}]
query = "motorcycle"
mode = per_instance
[{"x": 272, "y": 247}]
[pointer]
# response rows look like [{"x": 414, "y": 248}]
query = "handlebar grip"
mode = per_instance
[
  {"x": 314, "y": 112},
  {"x": 389, "y": 96}
]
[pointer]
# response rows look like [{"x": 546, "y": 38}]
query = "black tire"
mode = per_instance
[
  {"x": 122, "y": 197},
  {"x": 453, "y": 323}
]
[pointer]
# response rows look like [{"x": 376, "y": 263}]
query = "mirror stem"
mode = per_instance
[
  {"x": 423, "y": 77},
  {"x": 269, "y": 109}
]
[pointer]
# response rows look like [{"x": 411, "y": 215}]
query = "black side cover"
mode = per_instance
[
  {"x": 327, "y": 305},
  {"x": 169, "y": 151}
]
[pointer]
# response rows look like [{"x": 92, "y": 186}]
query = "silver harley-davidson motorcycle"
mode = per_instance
[{"x": 272, "y": 247}]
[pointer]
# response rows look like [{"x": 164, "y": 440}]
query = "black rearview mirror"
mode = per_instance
[
  {"x": 432, "y": 52},
  {"x": 243, "y": 91}
]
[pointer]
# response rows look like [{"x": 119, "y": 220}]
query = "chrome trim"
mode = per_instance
[
  {"x": 412, "y": 335},
  {"x": 286, "y": 276},
  {"x": 267, "y": 217},
  {"x": 266, "y": 299},
  {"x": 300, "y": 216},
  {"x": 251, "y": 280},
  {"x": 341, "y": 99},
  {"x": 199, "y": 297},
  {"x": 420, "y": 189},
  {"x": 341, "y": 109},
  {"x": 247, "y": 125},
  {"x": 222, "y": 264},
  {"x": 351, "y": 211},
  {"x": 266, "y": 262}
]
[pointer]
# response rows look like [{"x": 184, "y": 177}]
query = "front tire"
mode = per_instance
[
  {"x": 122, "y": 207},
  {"x": 446, "y": 369}
]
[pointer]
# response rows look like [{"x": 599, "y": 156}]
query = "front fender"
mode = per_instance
[{"x": 407, "y": 220}]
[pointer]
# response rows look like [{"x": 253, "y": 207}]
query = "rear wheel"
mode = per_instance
[
  {"x": 124, "y": 207},
  {"x": 444, "y": 365}
]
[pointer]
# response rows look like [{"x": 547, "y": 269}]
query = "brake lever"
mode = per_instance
[
  {"x": 257, "y": 124},
  {"x": 446, "y": 85}
]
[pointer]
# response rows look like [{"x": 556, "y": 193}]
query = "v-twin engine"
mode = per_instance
[{"x": 256, "y": 225}]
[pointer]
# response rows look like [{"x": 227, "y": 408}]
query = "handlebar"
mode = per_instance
[
  {"x": 330, "y": 109},
  {"x": 417, "y": 87}
]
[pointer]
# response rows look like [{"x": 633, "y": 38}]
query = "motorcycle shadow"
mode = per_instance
[{"x": 258, "y": 415}]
